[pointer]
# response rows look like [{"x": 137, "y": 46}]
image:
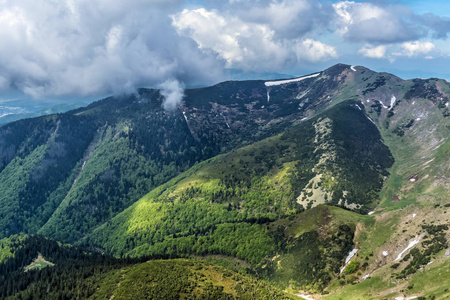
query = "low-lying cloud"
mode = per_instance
[{"x": 173, "y": 92}]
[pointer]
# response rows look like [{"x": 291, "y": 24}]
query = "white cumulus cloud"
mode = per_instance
[
  {"x": 373, "y": 51},
  {"x": 367, "y": 22},
  {"x": 314, "y": 51},
  {"x": 247, "y": 45},
  {"x": 417, "y": 48},
  {"x": 89, "y": 48},
  {"x": 77, "y": 48}
]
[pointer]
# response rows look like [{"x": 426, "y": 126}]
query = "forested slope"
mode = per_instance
[
  {"x": 63, "y": 175},
  {"x": 215, "y": 206},
  {"x": 243, "y": 171},
  {"x": 78, "y": 274}
]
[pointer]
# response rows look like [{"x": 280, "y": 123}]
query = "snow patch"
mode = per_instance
[
  {"x": 366, "y": 276},
  {"x": 228, "y": 125},
  {"x": 385, "y": 253},
  {"x": 393, "y": 99},
  {"x": 353, "y": 68},
  {"x": 446, "y": 104},
  {"x": 367, "y": 100},
  {"x": 348, "y": 258},
  {"x": 408, "y": 298},
  {"x": 279, "y": 82},
  {"x": 371, "y": 212},
  {"x": 412, "y": 180},
  {"x": 358, "y": 106},
  {"x": 184, "y": 115},
  {"x": 305, "y": 296},
  {"x": 418, "y": 119},
  {"x": 262, "y": 106},
  {"x": 410, "y": 246},
  {"x": 371, "y": 120},
  {"x": 350, "y": 255},
  {"x": 268, "y": 96},
  {"x": 414, "y": 215}
]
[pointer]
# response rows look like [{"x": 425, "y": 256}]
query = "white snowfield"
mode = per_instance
[
  {"x": 350, "y": 255},
  {"x": 353, "y": 68},
  {"x": 410, "y": 246},
  {"x": 393, "y": 99},
  {"x": 348, "y": 258},
  {"x": 280, "y": 82}
]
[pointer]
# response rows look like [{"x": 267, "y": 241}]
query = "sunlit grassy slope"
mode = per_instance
[
  {"x": 415, "y": 198},
  {"x": 350, "y": 137},
  {"x": 233, "y": 194},
  {"x": 181, "y": 278}
]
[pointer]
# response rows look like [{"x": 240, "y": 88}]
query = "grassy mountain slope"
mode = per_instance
[
  {"x": 76, "y": 273},
  {"x": 63, "y": 175},
  {"x": 80, "y": 273},
  {"x": 176, "y": 279},
  {"x": 349, "y": 137},
  {"x": 414, "y": 200},
  {"x": 255, "y": 184}
]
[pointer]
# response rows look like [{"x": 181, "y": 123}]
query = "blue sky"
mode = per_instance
[
  {"x": 69, "y": 49},
  {"x": 438, "y": 7}
]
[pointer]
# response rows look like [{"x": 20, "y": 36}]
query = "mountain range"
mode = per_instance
[{"x": 333, "y": 185}]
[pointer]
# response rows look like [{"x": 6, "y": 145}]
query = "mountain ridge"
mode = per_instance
[{"x": 244, "y": 169}]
